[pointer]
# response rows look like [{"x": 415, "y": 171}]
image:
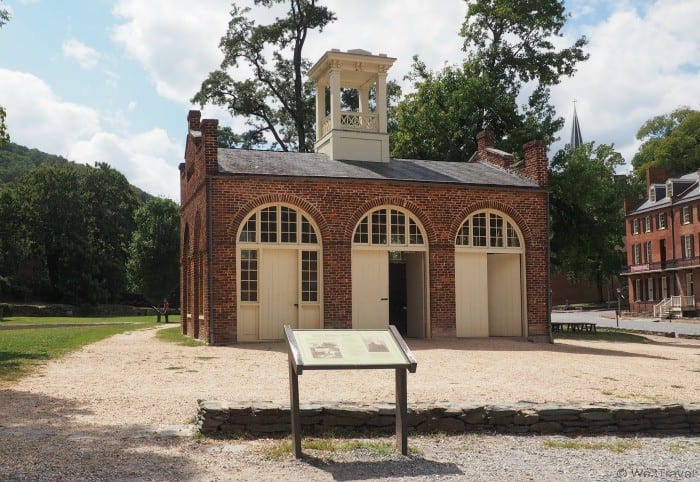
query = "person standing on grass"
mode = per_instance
[{"x": 166, "y": 308}]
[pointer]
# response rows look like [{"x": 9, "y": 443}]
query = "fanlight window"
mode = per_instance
[
  {"x": 278, "y": 225},
  {"x": 389, "y": 227},
  {"x": 488, "y": 230}
]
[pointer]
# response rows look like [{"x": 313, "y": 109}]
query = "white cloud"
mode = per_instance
[
  {"x": 642, "y": 64},
  {"x": 38, "y": 118},
  {"x": 142, "y": 158},
  {"x": 86, "y": 57},
  {"x": 131, "y": 105},
  {"x": 176, "y": 41}
]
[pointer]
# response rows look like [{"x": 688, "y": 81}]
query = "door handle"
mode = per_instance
[
  {"x": 296, "y": 304},
  {"x": 383, "y": 299}
]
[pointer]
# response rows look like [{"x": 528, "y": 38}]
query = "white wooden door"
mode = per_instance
[
  {"x": 278, "y": 292},
  {"x": 415, "y": 294},
  {"x": 370, "y": 289},
  {"x": 505, "y": 295},
  {"x": 471, "y": 294}
]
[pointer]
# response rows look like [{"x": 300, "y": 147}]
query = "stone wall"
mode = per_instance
[{"x": 221, "y": 417}]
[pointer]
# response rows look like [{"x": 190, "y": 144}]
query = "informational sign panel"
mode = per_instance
[{"x": 349, "y": 349}]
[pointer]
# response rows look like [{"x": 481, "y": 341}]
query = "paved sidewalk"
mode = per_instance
[{"x": 606, "y": 318}]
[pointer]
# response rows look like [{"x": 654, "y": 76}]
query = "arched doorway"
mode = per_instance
[
  {"x": 489, "y": 276},
  {"x": 279, "y": 272},
  {"x": 390, "y": 272}
]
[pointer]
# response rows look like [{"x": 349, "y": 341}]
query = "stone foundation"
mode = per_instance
[{"x": 316, "y": 418}]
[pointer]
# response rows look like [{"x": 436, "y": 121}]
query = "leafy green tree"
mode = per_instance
[
  {"x": 587, "y": 216},
  {"x": 110, "y": 206},
  {"x": 153, "y": 267},
  {"x": 4, "y": 136},
  {"x": 671, "y": 141},
  {"x": 509, "y": 45},
  {"x": 277, "y": 100},
  {"x": 53, "y": 211}
]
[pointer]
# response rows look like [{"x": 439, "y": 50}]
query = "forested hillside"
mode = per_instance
[
  {"x": 16, "y": 161},
  {"x": 69, "y": 230}
]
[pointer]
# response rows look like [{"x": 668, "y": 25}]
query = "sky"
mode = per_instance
[{"x": 111, "y": 80}]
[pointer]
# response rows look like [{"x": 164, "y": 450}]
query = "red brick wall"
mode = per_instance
[{"x": 337, "y": 204}]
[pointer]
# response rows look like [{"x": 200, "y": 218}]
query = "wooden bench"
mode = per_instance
[{"x": 574, "y": 326}]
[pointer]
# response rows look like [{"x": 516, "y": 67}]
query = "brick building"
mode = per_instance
[
  {"x": 347, "y": 237},
  {"x": 661, "y": 241}
]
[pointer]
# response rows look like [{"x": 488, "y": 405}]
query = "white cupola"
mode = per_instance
[{"x": 353, "y": 135}]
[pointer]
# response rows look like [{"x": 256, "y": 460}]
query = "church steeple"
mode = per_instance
[{"x": 576, "y": 139}]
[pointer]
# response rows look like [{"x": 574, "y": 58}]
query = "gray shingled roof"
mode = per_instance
[
  {"x": 691, "y": 193},
  {"x": 276, "y": 163}
]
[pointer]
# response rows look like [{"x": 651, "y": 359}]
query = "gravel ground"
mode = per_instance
[{"x": 119, "y": 410}]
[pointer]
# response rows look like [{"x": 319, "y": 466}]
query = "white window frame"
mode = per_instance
[
  {"x": 689, "y": 286},
  {"x": 411, "y": 230},
  {"x": 509, "y": 231},
  {"x": 638, "y": 289},
  {"x": 650, "y": 289},
  {"x": 647, "y": 224},
  {"x": 647, "y": 252},
  {"x": 685, "y": 215},
  {"x": 637, "y": 254},
  {"x": 661, "y": 225},
  {"x": 635, "y": 226},
  {"x": 687, "y": 245},
  {"x": 664, "y": 288}
]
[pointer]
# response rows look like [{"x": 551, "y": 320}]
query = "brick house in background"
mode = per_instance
[
  {"x": 661, "y": 241},
  {"x": 347, "y": 237}
]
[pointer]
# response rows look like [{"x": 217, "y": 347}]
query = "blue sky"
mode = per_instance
[{"x": 110, "y": 80}]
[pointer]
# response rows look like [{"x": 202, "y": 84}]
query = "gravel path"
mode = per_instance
[{"x": 116, "y": 410}]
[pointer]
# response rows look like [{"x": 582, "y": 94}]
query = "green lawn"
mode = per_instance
[
  {"x": 22, "y": 350},
  {"x": 57, "y": 320},
  {"x": 173, "y": 335}
]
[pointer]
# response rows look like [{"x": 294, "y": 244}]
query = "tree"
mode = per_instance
[
  {"x": 587, "y": 216},
  {"x": 671, "y": 141},
  {"x": 276, "y": 100},
  {"x": 153, "y": 267},
  {"x": 509, "y": 49},
  {"x": 110, "y": 206},
  {"x": 53, "y": 212},
  {"x": 4, "y": 136}
]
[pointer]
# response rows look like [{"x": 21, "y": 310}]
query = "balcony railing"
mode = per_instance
[
  {"x": 352, "y": 121},
  {"x": 661, "y": 265}
]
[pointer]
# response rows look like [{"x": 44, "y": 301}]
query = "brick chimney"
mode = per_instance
[
  {"x": 536, "y": 162},
  {"x": 656, "y": 175},
  {"x": 210, "y": 145},
  {"x": 193, "y": 118},
  {"x": 485, "y": 151}
]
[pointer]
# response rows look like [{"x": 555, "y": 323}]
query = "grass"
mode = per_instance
[
  {"x": 618, "y": 446},
  {"x": 285, "y": 448},
  {"x": 603, "y": 334},
  {"x": 22, "y": 350},
  {"x": 173, "y": 335},
  {"x": 58, "y": 320}
]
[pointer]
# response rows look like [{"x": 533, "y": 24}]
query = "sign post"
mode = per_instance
[{"x": 348, "y": 350}]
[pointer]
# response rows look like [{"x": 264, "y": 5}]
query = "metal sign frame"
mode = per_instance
[{"x": 349, "y": 350}]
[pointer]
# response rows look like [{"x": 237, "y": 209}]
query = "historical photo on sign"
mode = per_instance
[
  {"x": 325, "y": 350},
  {"x": 374, "y": 344}
]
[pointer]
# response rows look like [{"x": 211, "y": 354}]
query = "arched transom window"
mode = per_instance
[
  {"x": 281, "y": 226},
  {"x": 278, "y": 224},
  {"x": 389, "y": 226},
  {"x": 489, "y": 229}
]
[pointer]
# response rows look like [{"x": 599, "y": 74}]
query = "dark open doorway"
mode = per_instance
[{"x": 398, "y": 299}]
